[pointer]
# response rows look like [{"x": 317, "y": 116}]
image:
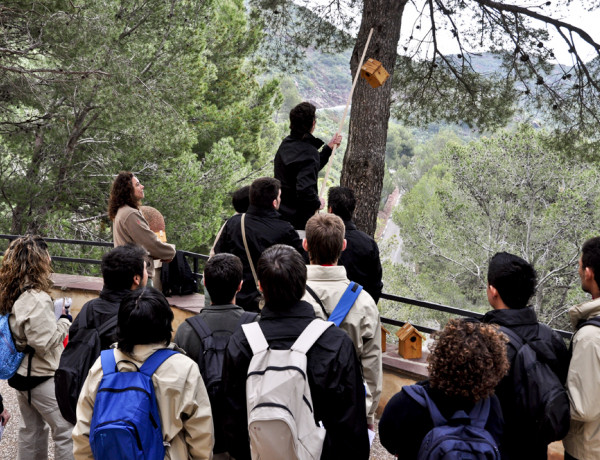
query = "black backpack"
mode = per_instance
[
  {"x": 76, "y": 360},
  {"x": 177, "y": 277},
  {"x": 211, "y": 363},
  {"x": 541, "y": 399}
]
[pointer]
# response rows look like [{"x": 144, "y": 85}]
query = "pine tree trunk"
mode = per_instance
[{"x": 364, "y": 161}]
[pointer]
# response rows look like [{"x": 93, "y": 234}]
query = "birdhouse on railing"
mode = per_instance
[
  {"x": 374, "y": 73},
  {"x": 410, "y": 342}
]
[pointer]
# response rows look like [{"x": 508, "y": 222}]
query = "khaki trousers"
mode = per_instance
[{"x": 37, "y": 420}]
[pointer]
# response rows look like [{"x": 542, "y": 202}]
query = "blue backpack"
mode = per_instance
[
  {"x": 126, "y": 423},
  {"x": 463, "y": 437},
  {"x": 10, "y": 358}
]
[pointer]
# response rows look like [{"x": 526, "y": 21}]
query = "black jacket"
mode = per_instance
[
  {"x": 264, "y": 228},
  {"x": 524, "y": 322},
  {"x": 297, "y": 164},
  {"x": 361, "y": 260},
  {"x": 98, "y": 311},
  {"x": 1, "y": 405},
  {"x": 405, "y": 422},
  {"x": 334, "y": 376}
]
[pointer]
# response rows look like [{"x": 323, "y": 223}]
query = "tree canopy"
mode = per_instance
[{"x": 91, "y": 88}]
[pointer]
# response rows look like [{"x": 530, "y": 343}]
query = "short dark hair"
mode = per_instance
[
  {"x": 240, "y": 199},
  {"x": 121, "y": 264},
  {"x": 590, "y": 256},
  {"x": 263, "y": 191},
  {"x": 144, "y": 317},
  {"x": 222, "y": 276},
  {"x": 302, "y": 117},
  {"x": 467, "y": 359},
  {"x": 282, "y": 274},
  {"x": 325, "y": 238},
  {"x": 342, "y": 202},
  {"x": 513, "y": 277}
]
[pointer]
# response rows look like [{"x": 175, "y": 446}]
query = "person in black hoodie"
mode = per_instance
[
  {"x": 297, "y": 164},
  {"x": 123, "y": 270},
  {"x": 511, "y": 283}
]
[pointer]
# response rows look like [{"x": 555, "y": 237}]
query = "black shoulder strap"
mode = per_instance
[
  {"x": 594, "y": 321},
  {"x": 200, "y": 327},
  {"x": 247, "y": 317},
  {"x": 518, "y": 340},
  {"x": 316, "y": 297},
  {"x": 107, "y": 326}
]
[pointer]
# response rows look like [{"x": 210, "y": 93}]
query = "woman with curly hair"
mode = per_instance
[
  {"x": 24, "y": 286},
  {"x": 129, "y": 224},
  {"x": 466, "y": 362}
]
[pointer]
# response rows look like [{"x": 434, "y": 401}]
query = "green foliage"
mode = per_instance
[
  {"x": 506, "y": 193},
  {"x": 235, "y": 104},
  {"x": 92, "y": 88}
]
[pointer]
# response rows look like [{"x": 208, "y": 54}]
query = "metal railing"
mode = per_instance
[{"x": 196, "y": 258}]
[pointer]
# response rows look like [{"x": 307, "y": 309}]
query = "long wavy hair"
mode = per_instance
[
  {"x": 26, "y": 265},
  {"x": 121, "y": 194},
  {"x": 468, "y": 359}
]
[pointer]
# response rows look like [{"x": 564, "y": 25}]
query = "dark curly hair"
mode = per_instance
[
  {"x": 26, "y": 265},
  {"x": 121, "y": 194},
  {"x": 468, "y": 359}
]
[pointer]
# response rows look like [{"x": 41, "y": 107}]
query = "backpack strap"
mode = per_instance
[
  {"x": 107, "y": 326},
  {"x": 199, "y": 326},
  {"x": 594, "y": 321},
  {"x": 243, "y": 224},
  {"x": 155, "y": 360},
  {"x": 109, "y": 364},
  {"x": 345, "y": 304},
  {"x": 310, "y": 335},
  {"x": 516, "y": 339},
  {"x": 247, "y": 317},
  {"x": 316, "y": 297},
  {"x": 255, "y": 337}
]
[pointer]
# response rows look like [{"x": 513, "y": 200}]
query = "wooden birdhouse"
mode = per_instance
[
  {"x": 374, "y": 73},
  {"x": 410, "y": 342},
  {"x": 384, "y": 334}
]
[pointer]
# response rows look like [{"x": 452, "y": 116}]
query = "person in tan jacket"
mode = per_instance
[
  {"x": 583, "y": 381},
  {"x": 324, "y": 243},
  {"x": 24, "y": 286},
  {"x": 130, "y": 226},
  {"x": 144, "y": 326}
]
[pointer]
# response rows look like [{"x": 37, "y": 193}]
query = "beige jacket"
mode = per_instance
[
  {"x": 583, "y": 385},
  {"x": 362, "y": 324},
  {"x": 33, "y": 323},
  {"x": 131, "y": 227},
  {"x": 183, "y": 404}
]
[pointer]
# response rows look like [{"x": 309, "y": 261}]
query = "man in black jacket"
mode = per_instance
[
  {"x": 223, "y": 280},
  {"x": 123, "y": 270},
  {"x": 263, "y": 228},
  {"x": 333, "y": 370},
  {"x": 511, "y": 283},
  {"x": 297, "y": 164},
  {"x": 361, "y": 256}
]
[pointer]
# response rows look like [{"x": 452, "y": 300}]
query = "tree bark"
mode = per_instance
[{"x": 364, "y": 160}]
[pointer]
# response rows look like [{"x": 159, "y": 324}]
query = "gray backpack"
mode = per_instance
[{"x": 281, "y": 422}]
